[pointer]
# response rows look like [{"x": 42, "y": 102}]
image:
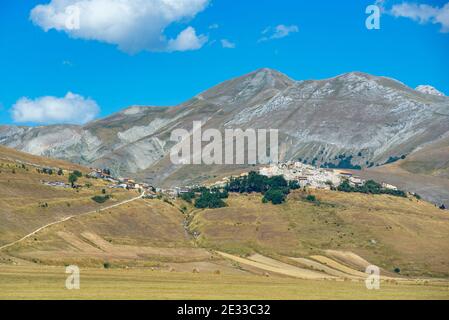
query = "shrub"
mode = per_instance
[
  {"x": 311, "y": 198},
  {"x": 106, "y": 265},
  {"x": 209, "y": 200},
  {"x": 276, "y": 196},
  {"x": 77, "y": 173},
  {"x": 256, "y": 182},
  {"x": 188, "y": 196},
  {"x": 370, "y": 187},
  {"x": 101, "y": 199},
  {"x": 294, "y": 185}
]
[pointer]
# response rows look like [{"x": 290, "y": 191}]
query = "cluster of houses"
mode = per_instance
[
  {"x": 56, "y": 184},
  {"x": 151, "y": 192},
  {"x": 307, "y": 175},
  {"x": 313, "y": 177}
]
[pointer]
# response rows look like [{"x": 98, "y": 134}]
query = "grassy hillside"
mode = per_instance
[
  {"x": 388, "y": 231},
  {"x": 26, "y": 203},
  {"x": 432, "y": 159},
  {"x": 12, "y": 155},
  {"x": 425, "y": 171},
  {"x": 142, "y": 233}
]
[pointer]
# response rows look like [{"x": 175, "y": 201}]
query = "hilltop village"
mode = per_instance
[
  {"x": 300, "y": 174},
  {"x": 307, "y": 176}
]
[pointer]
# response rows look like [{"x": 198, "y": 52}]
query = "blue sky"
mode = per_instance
[{"x": 317, "y": 39}]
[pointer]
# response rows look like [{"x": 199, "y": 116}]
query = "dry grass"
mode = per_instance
[
  {"x": 387, "y": 231},
  {"x": 27, "y": 204},
  {"x": 49, "y": 283},
  {"x": 140, "y": 233}
]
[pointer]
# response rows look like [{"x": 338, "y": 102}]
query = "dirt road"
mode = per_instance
[{"x": 69, "y": 218}]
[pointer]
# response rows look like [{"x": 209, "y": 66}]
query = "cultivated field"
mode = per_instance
[
  {"x": 49, "y": 283},
  {"x": 390, "y": 232}
]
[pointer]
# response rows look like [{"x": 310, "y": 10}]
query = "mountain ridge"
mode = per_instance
[{"x": 354, "y": 118}]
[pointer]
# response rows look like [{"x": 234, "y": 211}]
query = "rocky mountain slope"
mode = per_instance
[
  {"x": 352, "y": 120},
  {"x": 429, "y": 90}
]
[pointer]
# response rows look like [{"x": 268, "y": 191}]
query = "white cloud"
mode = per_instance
[
  {"x": 132, "y": 25},
  {"x": 72, "y": 108},
  {"x": 225, "y": 43},
  {"x": 67, "y": 63},
  {"x": 279, "y": 32},
  {"x": 423, "y": 13},
  {"x": 187, "y": 40}
]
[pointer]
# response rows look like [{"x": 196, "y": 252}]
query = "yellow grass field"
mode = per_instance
[{"x": 49, "y": 283}]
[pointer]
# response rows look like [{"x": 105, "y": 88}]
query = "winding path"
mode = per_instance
[{"x": 69, "y": 218}]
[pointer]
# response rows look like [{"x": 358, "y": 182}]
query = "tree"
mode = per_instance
[
  {"x": 209, "y": 200},
  {"x": 72, "y": 179},
  {"x": 294, "y": 185},
  {"x": 60, "y": 172},
  {"x": 277, "y": 182},
  {"x": 345, "y": 187},
  {"x": 188, "y": 196},
  {"x": 77, "y": 173},
  {"x": 276, "y": 196}
]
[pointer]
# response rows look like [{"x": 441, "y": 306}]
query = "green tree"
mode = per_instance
[
  {"x": 77, "y": 173},
  {"x": 209, "y": 200},
  {"x": 294, "y": 185},
  {"x": 188, "y": 196},
  {"x": 276, "y": 196},
  {"x": 73, "y": 179}
]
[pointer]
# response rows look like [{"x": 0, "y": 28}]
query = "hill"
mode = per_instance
[
  {"x": 27, "y": 202},
  {"x": 387, "y": 231},
  {"x": 425, "y": 172},
  {"x": 326, "y": 243},
  {"x": 391, "y": 232}
]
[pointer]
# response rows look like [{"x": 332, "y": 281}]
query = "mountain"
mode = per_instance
[
  {"x": 352, "y": 120},
  {"x": 429, "y": 90}
]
